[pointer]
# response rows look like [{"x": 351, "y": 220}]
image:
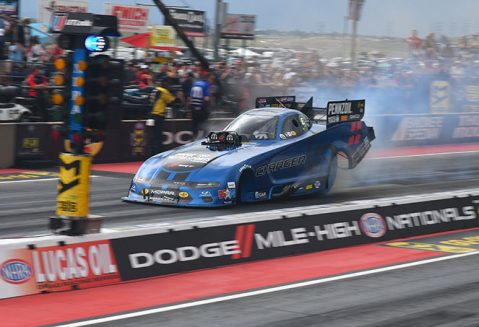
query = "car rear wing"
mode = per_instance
[
  {"x": 335, "y": 112},
  {"x": 344, "y": 111},
  {"x": 289, "y": 101}
]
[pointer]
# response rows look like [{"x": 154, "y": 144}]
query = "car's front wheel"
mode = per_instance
[{"x": 245, "y": 185}]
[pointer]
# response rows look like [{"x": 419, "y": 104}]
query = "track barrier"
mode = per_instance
[{"x": 53, "y": 263}]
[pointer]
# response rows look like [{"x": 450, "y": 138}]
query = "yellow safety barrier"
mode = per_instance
[{"x": 74, "y": 185}]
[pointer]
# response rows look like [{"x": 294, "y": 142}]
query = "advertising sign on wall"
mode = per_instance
[
  {"x": 191, "y": 21},
  {"x": 48, "y": 7},
  {"x": 238, "y": 27},
  {"x": 57, "y": 268},
  {"x": 131, "y": 19},
  {"x": 170, "y": 252},
  {"x": 9, "y": 7},
  {"x": 162, "y": 36}
]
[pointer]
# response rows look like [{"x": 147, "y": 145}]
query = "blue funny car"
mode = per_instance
[{"x": 269, "y": 152}]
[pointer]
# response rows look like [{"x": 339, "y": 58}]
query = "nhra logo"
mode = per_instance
[
  {"x": 373, "y": 225},
  {"x": 16, "y": 271}
]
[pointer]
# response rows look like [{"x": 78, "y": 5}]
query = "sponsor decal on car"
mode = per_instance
[
  {"x": 227, "y": 194},
  {"x": 231, "y": 185},
  {"x": 183, "y": 195},
  {"x": 317, "y": 184},
  {"x": 260, "y": 195},
  {"x": 280, "y": 165}
]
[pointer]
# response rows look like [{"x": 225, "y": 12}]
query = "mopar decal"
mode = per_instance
[{"x": 281, "y": 164}]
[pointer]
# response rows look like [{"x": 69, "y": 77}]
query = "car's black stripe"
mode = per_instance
[
  {"x": 180, "y": 176},
  {"x": 163, "y": 175}
]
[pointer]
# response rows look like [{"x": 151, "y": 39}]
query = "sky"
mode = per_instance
[{"x": 379, "y": 17}]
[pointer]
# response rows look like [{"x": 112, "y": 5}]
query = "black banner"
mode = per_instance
[
  {"x": 177, "y": 251},
  {"x": 191, "y": 21}
]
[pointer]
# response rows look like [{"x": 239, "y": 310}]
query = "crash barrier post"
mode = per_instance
[
  {"x": 57, "y": 262},
  {"x": 7, "y": 145},
  {"x": 73, "y": 199}
]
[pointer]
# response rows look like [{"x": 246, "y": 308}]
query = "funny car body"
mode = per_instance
[{"x": 268, "y": 152}]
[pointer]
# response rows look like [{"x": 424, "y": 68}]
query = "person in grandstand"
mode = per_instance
[
  {"x": 199, "y": 98},
  {"x": 37, "y": 83},
  {"x": 161, "y": 97},
  {"x": 143, "y": 77}
]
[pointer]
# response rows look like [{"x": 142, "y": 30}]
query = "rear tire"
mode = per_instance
[{"x": 332, "y": 174}]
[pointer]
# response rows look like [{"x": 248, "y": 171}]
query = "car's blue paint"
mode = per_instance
[{"x": 255, "y": 171}]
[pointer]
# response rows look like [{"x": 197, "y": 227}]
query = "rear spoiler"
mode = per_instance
[
  {"x": 344, "y": 111},
  {"x": 335, "y": 112},
  {"x": 288, "y": 101}
]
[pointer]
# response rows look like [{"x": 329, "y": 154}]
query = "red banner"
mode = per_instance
[{"x": 57, "y": 268}]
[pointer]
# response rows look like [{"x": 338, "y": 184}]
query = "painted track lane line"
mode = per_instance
[
  {"x": 38, "y": 180},
  {"x": 264, "y": 291}
]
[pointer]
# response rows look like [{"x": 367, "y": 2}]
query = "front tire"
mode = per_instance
[{"x": 245, "y": 184}]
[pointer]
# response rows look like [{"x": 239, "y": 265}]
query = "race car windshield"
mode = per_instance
[{"x": 255, "y": 127}]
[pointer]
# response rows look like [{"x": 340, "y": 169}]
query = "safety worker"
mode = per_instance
[{"x": 161, "y": 97}]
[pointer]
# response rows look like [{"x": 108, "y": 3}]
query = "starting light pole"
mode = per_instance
[{"x": 80, "y": 33}]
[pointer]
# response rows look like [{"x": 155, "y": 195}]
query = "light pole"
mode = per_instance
[{"x": 219, "y": 6}]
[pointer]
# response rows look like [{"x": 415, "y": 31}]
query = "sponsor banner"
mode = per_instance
[
  {"x": 426, "y": 129},
  {"x": 238, "y": 27},
  {"x": 162, "y": 36},
  {"x": 32, "y": 141},
  {"x": 131, "y": 19},
  {"x": 176, "y": 251},
  {"x": 467, "y": 95},
  {"x": 56, "y": 268},
  {"x": 439, "y": 93},
  {"x": 9, "y": 7},
  {"x": 48, "y": 7},
  {"x": 191, "y": 21}
]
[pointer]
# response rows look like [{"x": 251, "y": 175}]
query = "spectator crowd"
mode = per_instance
[{"x": 231, "y": 85}]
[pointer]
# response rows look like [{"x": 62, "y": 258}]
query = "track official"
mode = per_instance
[
  {"x": 199, "y": 98},
  {"x": 161, "y": 97}
]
